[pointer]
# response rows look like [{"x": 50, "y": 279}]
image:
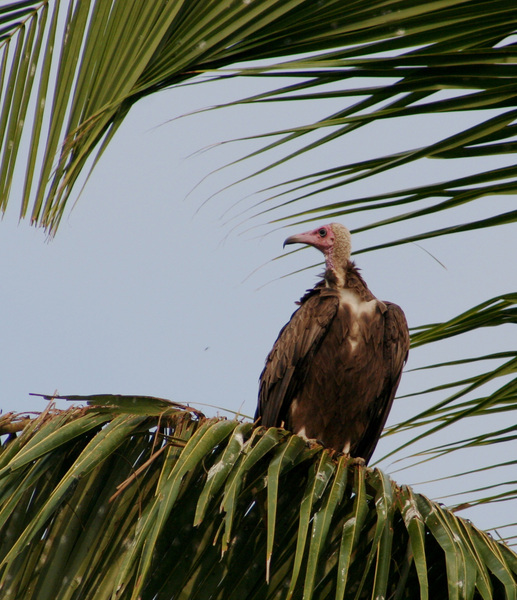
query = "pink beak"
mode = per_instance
[{"x": 300, "y": 238}]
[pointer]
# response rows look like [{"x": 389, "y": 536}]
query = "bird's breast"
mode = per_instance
[
  {"x": 360, "y": 318},
  {"x": 357, "y": 305}
]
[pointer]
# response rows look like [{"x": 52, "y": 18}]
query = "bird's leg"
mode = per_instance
[
  {"x": 357, "y": 460},
  {"x": 311, "y": 442}
]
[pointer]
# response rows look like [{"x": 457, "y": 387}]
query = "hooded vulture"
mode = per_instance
[{"x": 333, "y": 371}]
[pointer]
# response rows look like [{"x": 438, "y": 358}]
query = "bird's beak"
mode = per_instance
[{"x": 298, "y": 238}]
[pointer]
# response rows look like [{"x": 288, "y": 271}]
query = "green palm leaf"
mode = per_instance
[
  {"x": 117, "y": 52},
  {"x": 120, "y": 500},
  {"x": 468, "y": 401}
]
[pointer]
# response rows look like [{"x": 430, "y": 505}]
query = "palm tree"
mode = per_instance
[{"x": 367, "y": 536}]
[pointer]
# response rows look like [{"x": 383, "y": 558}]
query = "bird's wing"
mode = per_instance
[
  {"x": 396, "y": 348},
  {"x": 287, "y": 363}
]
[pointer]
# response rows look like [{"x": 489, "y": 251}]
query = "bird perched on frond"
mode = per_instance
[{"x": 335, "y": 367}]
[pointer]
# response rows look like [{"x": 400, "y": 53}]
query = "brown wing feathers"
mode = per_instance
[
  {"x": 396, "y": 347},
  {"x": 287, "y": 363}
]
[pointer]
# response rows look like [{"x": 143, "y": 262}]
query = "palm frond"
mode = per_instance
[
  {"x": 104, "y": 55},
  {"x": 156, "y": 501},
  {"x": 468, "y": 402},
  {"x": 112, "y": 53},
  {"x": 440, "y": 59}
]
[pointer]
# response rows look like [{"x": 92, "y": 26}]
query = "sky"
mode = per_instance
[{"x": 153, "y": 285}]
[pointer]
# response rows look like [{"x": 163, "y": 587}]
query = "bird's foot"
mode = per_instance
[
  {"x": 313, "y": 442},
  {"x": 357, "y": 460},
  {"x": 352, "y": 460}
]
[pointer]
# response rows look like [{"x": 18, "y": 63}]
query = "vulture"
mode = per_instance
[{"x": 333, "y": 371}]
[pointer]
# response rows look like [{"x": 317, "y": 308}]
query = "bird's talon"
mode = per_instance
[{"x": 357, "y": 460}]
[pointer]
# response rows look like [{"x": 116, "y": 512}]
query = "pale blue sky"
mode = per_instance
[{"x": 142, "y": 293}]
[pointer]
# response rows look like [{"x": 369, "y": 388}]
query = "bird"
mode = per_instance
[{"x": 334, "y": 369}]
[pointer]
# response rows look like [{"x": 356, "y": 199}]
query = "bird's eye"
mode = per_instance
[{"x": 322, "y": 232}]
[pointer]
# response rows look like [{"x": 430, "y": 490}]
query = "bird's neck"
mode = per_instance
[
  {"x": 346, "y": 276},
  {"x": 335, "y": 277},
  {"x": 338, "y": 265}
]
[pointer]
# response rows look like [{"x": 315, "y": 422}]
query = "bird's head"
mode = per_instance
[{"x": 333, "y": 240}]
